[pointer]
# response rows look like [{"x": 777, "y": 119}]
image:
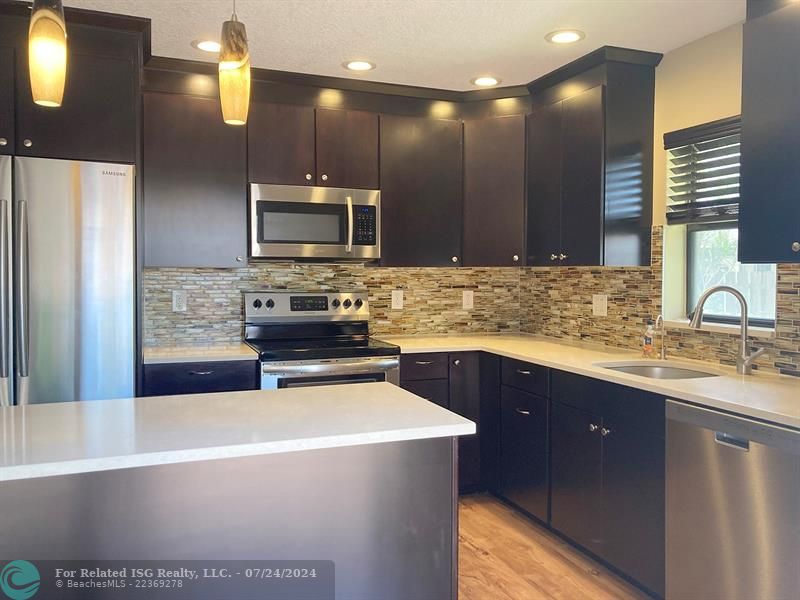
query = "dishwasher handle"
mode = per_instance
[{"x": 732, "y": 441}]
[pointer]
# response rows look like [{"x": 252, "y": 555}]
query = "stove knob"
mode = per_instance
[
  {"x": 347, "y": 304},
  {"x": 257, "y": 304},
  {"x": 270, "y": 304},
  {"x": 335, "y": 303},
  {"x": 359, "y": 303}
]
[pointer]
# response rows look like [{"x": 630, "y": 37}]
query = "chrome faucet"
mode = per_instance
[
  {"x": 662, "y": 333},
  {"x": 744, "y": 362}
]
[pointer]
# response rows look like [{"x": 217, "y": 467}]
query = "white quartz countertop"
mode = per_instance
[
  {"x": 78, "y": 437},
  {"x": 774, "y": 398},
  {"x": 213, "y": 353}
]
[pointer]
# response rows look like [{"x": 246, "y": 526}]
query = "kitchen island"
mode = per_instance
[{"x": 363, "y": 475}]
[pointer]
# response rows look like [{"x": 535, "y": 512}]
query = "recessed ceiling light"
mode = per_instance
[
  {"x": 206, "y": 46},
  {"x": 485, "y": 81},
  {"x": 358, "y": 65},
  {"x": 565, "y": 36}
]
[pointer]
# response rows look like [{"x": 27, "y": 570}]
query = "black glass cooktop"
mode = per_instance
[{"x": 321, "y": 348}]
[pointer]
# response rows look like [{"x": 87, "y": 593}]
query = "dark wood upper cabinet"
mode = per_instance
[
  {"x": 347, "y": 149},
  {"x": 97, "y": 119},
  {"x": 769, "y": 217},
  {"x": 494, "y": 191},
  {"x": 544, "y": 185},
  {"x": 590, "y": 159},
  {"x": 280, "y": 140},
  {"x": 582, "y": 188},
  {"x": 6, "y": 100},
  {"x": 195, "y": 184},
  {"x": 421, "y": 195}
]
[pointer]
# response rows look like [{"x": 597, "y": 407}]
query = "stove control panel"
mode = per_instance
[{"x": 287, "y": 306}]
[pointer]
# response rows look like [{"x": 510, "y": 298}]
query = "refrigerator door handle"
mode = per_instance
[
  {"x": 5, "y": 392},
  {"x": 21, "y": 291}
]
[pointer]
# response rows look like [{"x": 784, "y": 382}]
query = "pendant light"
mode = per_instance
[
  {"x": 47, "y": 52},
  {"x": 234, "y": 71}
]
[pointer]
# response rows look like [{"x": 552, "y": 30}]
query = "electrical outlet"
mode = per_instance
[
  {"x": 467, "y": 299},
  {"x": 179, "y": 300},
  {"x": 397, "y": 299},
  {"x": 600, "y": 305}
]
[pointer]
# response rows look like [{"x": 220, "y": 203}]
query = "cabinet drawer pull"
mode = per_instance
[
  {"x": 604, "y": 432},
  {"x": 523, "y": 372},
  {"x": 592, "y": 427},
  {"x": 522, "y": 411},
  {"x": 3, "y": 142},
  {"x": 457, "y": 362},
  {"x": 423, "y": 363},
  {"x": 795, "y": 246},
  {"x": 201, "y": 372},
  {"x": 553, "y": 256}
]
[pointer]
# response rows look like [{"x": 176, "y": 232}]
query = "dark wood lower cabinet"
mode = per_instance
[
  {"x": 168, "y": 379},
  {"x": 435, "y": 390},
  {"x": 523, "y": 451}
]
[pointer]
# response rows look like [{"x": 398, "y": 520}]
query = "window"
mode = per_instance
[{"x": 703, "y": 199}]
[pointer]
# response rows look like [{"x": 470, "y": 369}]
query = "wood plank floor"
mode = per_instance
[{"x": 504, "y": 556}]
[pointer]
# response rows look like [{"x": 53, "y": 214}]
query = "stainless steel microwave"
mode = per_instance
[{"x": 307, "y": 222}]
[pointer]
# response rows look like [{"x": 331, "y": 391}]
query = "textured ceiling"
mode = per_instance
[{"x": 432, "y": 43}]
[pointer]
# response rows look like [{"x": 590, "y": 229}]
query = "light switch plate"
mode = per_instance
[
  {"x": 600, "y": 305},
  {"x": 179, "y": 300},
  {"x": 467, "y": 299},
  {"x": 397, "y": 299}
]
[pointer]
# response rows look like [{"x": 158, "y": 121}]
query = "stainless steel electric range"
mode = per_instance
[{"x": 308, "y": 339}]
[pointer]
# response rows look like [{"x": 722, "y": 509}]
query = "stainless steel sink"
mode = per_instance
[{"x": 658, "y": 369}]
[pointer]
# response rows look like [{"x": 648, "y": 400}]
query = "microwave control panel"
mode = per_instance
[{"x": 365, "y": 226}]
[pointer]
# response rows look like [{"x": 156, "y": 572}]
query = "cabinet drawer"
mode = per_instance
[
  {"x": 200, "y": 377},
  {"x": 435, "y": 390},
  {"x": 424, "y": 366},
  {"x": 526, "y": 376}
]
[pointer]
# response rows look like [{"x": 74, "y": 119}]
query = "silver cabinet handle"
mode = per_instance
[
  {"x": 522, "y": 411},
  {"x": 423, "y": 363},
  {"x": 457, "y": 362},
  {"x": 3, "y": 142},
  {"x": 27, "y": 143},
  {"x": 308, "y": 176},
  {"x": 324, "y": 177},
  {"x": 523, "y": 372},
  {"x": 21, "y": 287},
  {"x": 350, "y": 225},
  {"x": 562, "y": 256},
  {"x": 515, "y": 258},
  {"x": 604, "y": 431},
  {"x": 795, "y": 246},
  {"x": 239, "y": 259},
  {"x": 201, "y": 372},
  {"x": 592, "y": 427},
  {"x": 454, "y": 259},
  {"x": 553, "y": 256}
]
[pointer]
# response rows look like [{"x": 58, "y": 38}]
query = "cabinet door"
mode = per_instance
[
  {"x": 280, "y": 141},
  {"x": 97, "y": 119},
  {"x": 434, "y": 390},
  {"x": 634, "y": 502},
  {"x": 465, "y": 400},
  {"x": 582, "y": 179},
  {"x": 420, "y": 192},
  {"x": 769, "y": 217},
  {"x": 6, "y": 100},
  {"x": 494, "y": 191},
  {"x": 576, "y": 476},
  {"x": 544, "y": 185},
  {"x": 195, "y": 190},
  {"x": 523, "y": 451},
  {"x": 347, "y": 149}
]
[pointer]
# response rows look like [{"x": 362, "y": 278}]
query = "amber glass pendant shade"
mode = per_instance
[
  {"x": 234, "y": 72},
  {"x": 47, "y": 52}
]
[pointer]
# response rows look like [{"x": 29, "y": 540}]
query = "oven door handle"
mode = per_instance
[
  {"x": 363, "y": 366},
  {"x": 350, "y": 225}
]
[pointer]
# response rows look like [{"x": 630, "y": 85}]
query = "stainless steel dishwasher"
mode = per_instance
[{"x": 733, "y": 507}]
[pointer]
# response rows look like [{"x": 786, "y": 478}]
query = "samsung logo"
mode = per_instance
[{"x": 115, "y": 173}]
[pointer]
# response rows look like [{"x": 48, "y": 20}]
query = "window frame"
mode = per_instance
[{"x": 708, "y": 317}]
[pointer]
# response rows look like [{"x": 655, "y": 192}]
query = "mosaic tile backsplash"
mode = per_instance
[{"x": 552, "y": 301}]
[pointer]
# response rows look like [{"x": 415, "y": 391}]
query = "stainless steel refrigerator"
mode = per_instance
[{"x": 67, "y": 264}]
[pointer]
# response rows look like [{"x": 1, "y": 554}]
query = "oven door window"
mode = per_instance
[
  {"x": 301, "y": 223},
  {"x": 295, "y": 382}
]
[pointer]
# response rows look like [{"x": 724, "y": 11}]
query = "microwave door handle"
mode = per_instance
[{"x": 349, "y": 247}]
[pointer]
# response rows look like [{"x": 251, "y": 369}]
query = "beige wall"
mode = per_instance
[{"x": 696, "y": 83}]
